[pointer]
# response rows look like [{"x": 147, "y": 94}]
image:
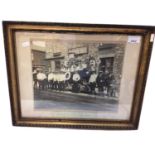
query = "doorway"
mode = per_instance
[{"x": 106, "y": 64}]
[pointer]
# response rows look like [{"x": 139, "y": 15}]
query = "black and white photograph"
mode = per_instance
[{"x": 77, "y": 75}]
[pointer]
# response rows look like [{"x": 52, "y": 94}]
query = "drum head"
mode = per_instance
[
  {"x": 76, "y": 77},
  {"x": 67, "y": 75}
]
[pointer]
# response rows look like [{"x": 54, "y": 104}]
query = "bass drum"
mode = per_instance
[
  {"x": 76, "y": 87},
  {"x": 76, "y": 77}
]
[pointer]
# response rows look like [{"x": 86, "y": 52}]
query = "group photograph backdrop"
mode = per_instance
[{"x": 55, "y": 141}]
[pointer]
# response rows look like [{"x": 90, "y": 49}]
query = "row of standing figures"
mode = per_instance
[{"x": 85, "y": 82}]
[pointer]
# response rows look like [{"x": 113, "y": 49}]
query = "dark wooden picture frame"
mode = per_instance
[{"x": 11, "y": 28}]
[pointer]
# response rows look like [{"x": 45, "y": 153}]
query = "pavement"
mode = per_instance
[{"x": 66, "y": 100}]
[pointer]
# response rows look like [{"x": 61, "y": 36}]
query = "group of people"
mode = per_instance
[
  {"x": 85, "y": 75},
  {"x": 75, "y": 64},
  {"x": 106, "y": 83},
  {"x": 86, "y": 81},
  {"x": 39, "y": 79}
]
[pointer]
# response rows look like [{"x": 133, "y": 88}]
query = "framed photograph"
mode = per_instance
[{"x": 88, "y": 76}]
